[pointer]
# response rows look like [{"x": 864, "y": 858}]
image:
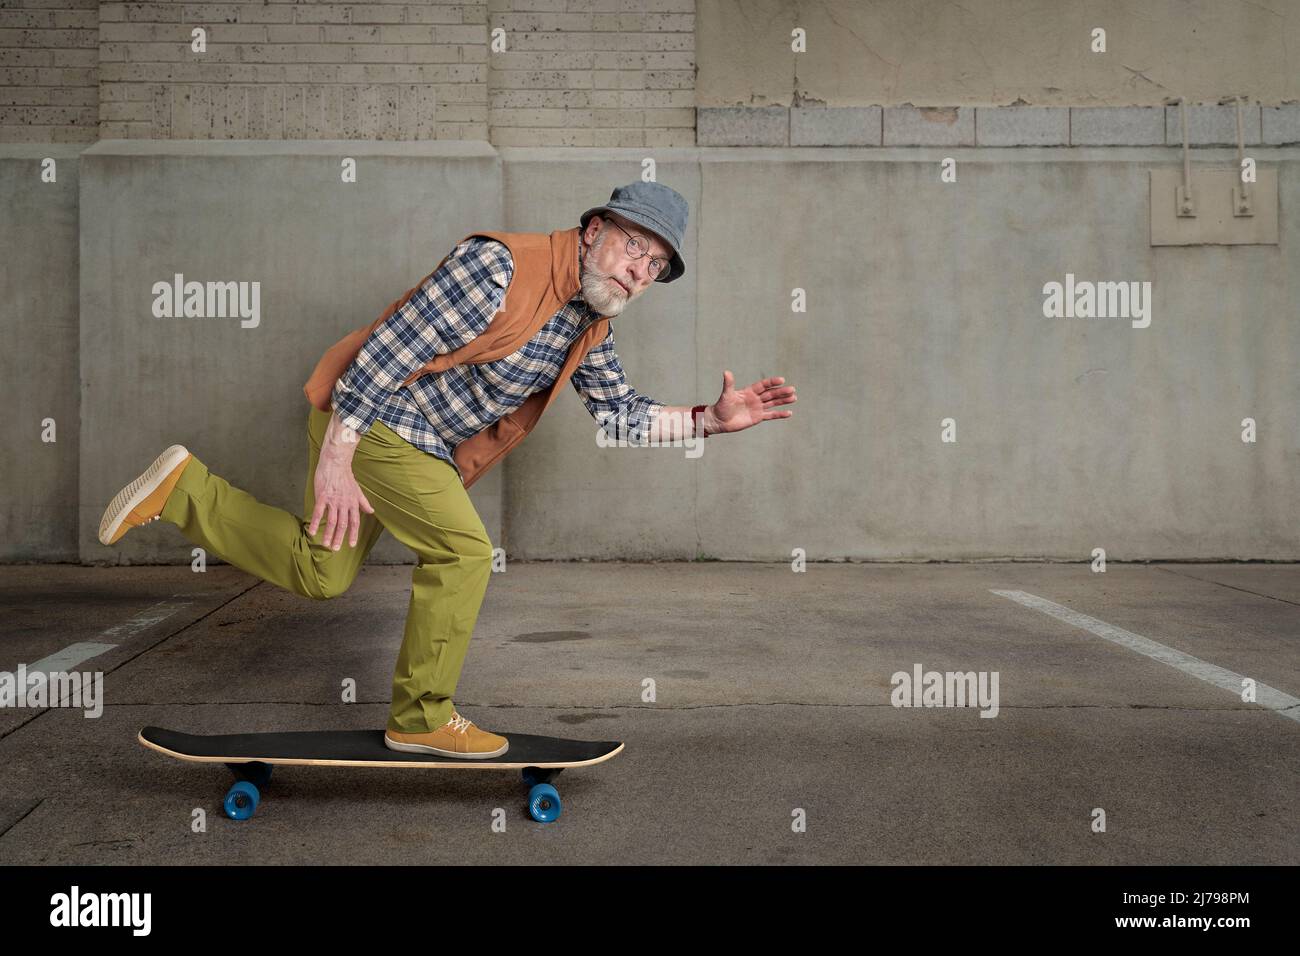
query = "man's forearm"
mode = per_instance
[
  {"x": 673, "y": 423},
  {"x": 340, "y": 442}
]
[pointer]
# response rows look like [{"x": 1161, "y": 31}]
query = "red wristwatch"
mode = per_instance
[{"x": 695, "y": 429}]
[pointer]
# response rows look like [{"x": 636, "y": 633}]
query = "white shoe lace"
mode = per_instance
[{"x": 458, "y": 722}]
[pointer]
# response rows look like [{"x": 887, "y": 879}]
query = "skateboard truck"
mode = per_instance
[{"x": 245, "y": 794}]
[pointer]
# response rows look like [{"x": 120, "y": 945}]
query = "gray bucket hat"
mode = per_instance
[{"x": 656, "y": 207}]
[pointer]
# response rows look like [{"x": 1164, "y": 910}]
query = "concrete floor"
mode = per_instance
[{"x": 773, "y": 693}]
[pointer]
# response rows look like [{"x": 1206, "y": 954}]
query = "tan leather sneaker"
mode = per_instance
[
  {"x": 458, "y": 737},
  {"x": 142, "y": 500}
]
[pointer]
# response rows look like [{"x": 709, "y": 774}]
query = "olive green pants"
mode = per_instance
[{"x": 418, "y": 498}]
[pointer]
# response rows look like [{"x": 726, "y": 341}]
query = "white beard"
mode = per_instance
[
  {"x": 598, "y": 288},
  {"x": 602, "y": 295}
]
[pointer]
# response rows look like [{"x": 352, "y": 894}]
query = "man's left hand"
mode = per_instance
[{"x": 738, "y": 409}]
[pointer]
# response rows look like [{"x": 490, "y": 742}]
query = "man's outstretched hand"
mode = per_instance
[{"x": 738, "y": 409}]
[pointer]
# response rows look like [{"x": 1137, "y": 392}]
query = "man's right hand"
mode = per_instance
[{"x": 338, "y": 496}]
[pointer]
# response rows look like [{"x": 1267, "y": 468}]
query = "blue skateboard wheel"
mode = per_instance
[
  {"x": 242, "y": 800},
  {"x": 543, "y": 803}
]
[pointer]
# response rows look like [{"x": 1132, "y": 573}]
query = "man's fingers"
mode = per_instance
[
  {"x": 330, "y": 525},
  {"x": 315, "y": 517},
  {"x": 341, "y": 522}
]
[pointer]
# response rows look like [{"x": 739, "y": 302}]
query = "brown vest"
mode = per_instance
[{"x": 545, "y": 278}]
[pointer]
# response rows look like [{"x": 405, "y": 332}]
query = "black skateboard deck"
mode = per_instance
[{"x": 251, "y": 756}]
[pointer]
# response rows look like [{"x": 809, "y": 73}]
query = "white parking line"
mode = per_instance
[
  {"x": 74, "y": 654},
  {"x": 145, "y": 619},
  {"x": 1267, "y": 697},
  {"x": 68, "y": 658}
]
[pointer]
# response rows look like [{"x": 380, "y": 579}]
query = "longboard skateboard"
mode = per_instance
[{"x": 250, "y": 758}]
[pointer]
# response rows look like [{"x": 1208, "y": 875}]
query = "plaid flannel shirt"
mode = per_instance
[{"x": 440, "y": 410}]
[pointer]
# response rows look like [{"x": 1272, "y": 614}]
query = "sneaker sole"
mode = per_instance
[
  {"x": 134, "y": 493},
  {"x": 426, "y": 749}
]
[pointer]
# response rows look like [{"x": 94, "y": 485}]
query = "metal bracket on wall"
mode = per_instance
[
  {"x": 1222, "y": 209},
  {"x": 1186, "y": 207},
  {"x": 1241, "y": 194}
]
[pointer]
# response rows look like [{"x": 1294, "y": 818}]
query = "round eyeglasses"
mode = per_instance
[{"x": 638, "y": 247}]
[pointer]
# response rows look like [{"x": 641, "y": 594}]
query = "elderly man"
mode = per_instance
[{"x": 411, "y": 409}]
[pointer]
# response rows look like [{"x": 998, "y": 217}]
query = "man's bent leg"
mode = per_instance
[
  {"x": 263, "y": 540},
  {"x": 429, "y": 511}
]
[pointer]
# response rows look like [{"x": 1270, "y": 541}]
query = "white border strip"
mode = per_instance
[{"x": 1267, "y": 697}]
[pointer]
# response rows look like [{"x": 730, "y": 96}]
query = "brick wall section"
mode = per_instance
[
  {"x": 573, "y": 72},
  {"x": 593, "y": 73},
  {"x": 276, "y": 69},
  {"x": 49, "y": 81}
]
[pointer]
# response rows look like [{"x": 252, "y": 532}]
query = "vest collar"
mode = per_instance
[{"x": 564, "y": 262}]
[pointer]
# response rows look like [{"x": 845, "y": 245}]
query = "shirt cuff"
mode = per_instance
[{"x": 354, "y": 410}]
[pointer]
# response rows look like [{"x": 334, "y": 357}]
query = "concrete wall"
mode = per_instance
[
  {"x": 329, "y": 257},
  {"x": 599, "y": 73},
  {"x": 996, "y": 52},
  {"x": 924, "y": 301},
  {"x": 40, "y": 322}
]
